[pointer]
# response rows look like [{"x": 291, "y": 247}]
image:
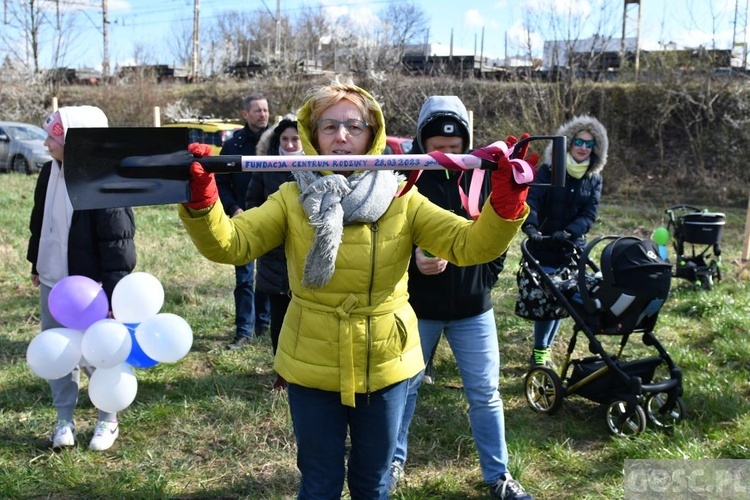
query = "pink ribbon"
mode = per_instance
[{"x": 523, "y": 173}]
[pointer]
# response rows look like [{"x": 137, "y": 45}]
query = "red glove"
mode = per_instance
[
  {"x": 203, "y": 190},
  {"x": 199, "y": 150},
  {"x": 523, "y": 150},
  {"x": 508, "y": 197}
]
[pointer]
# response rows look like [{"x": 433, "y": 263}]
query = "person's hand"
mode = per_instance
[
  {"x": 429, "y": 265},
  {"x": 507, "y": 197},
  {"x": 533, "y": 233},
  {"x": 560, "y": 236},
  {"x": 203, "y": 190},
  {"x": 35, "y": 280},
  {"x": 523, "y": 151},
  {"x": 199, "y": 150}
]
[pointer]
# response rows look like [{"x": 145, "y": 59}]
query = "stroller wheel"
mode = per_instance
[
  {"x": 624, "y": 420},
  {"x": 715, "y": 269},
  {"x": 657, "y": 415},
  {"x": 544, "y": 390},
  {"x": 706, "y": 280}
]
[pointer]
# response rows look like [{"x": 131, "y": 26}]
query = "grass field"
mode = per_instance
[{"x": 209, "y": 426}]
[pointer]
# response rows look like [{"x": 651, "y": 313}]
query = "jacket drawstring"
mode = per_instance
[{"x": 346, "y": 353}]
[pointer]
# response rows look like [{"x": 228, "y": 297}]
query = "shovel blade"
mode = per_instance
[{"x": 92, "y": 156}]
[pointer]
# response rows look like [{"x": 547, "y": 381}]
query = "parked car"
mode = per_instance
[
  {"x": 397, "y": 145},
  {"x": 213, "y": 131},
  {"x": 22, "y": 147}
]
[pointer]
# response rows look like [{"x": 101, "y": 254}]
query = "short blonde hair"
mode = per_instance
[{"x": 322, "y": 98}]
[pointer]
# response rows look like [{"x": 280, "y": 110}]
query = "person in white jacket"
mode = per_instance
[{"x": 64, "y": 242}]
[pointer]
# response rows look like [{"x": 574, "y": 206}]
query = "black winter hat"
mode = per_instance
[{"x": 446, "y": 126}]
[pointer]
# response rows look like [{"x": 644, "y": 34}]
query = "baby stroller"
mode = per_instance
[
  {"x": 698, "y": 228},
  {"x": 621, "y": 297}
]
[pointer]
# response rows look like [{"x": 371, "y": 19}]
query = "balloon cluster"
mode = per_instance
[{"x": 138, "y": 336}]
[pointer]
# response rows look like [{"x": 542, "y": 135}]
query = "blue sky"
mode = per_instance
[{"x": 149, "y": 23}]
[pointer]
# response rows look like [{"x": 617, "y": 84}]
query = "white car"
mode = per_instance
[{"x": 22, "y": 147}]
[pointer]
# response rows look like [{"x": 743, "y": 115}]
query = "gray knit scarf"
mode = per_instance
[{"x": 330, "y": 201}]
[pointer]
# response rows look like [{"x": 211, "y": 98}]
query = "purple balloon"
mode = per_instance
[
  {"x": 78, "y": 302},
  {"x": 137, "y": 358}
]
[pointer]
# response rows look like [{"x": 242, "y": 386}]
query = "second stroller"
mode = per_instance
[{"x": 701, "y": 230}]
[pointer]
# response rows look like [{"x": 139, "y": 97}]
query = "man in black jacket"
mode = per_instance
[
  {"x": 252, "y": 316},
  {"x": 457, "y": 302}
]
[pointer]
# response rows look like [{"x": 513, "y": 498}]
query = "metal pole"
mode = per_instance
[
  {"x": 622, "y": 40},
  {"x": 105, "y": 35},
  {"x": 278, "y": 27},
  {"x": 196, "y": 36},
  {"x": 637, "y": 40}
]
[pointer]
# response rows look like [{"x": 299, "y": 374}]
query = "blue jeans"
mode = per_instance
[
  {"x": 475, "y": 347},
  {"x": 320, "y": 426},
  {"x": 251, "y": 307},
  {"x": 546, "y": 331}
]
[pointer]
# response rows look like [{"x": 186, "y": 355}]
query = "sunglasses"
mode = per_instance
[
  {"x": 330, "y": 126},
  {"x": 578, "y": 142}
]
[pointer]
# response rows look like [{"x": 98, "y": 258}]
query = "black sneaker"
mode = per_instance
[
  {"x": 238, "y": 342},
  {"x": 507, "y": 488},
  {"x": 262, "y": 331}
]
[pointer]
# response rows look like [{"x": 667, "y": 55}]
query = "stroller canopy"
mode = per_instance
[{"x": 635, "y": 283}]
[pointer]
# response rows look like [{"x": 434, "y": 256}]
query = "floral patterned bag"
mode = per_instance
[{"x": 534, "y": 301}]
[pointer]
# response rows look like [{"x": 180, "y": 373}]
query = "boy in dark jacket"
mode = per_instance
[
  {"x": 64, "y": 242},
  {"x": 457, "y": 302}
]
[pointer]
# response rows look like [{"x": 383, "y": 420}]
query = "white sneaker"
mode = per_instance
[
  {"x": 64, "y": 434},
  {"x": 105, "y": 434}
]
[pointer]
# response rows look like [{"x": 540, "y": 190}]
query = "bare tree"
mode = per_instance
[
  {"x": 402, "y": 24},
  {"x": 311, "y": 27},
  {"x": 26, "y": 19},
  {"x": 180, "y": 43},
  {"x": 569, "y": 61}
]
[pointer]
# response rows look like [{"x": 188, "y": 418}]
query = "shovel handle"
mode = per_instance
[
  {"x": 334, "y": 163},
  {"x": 177, "y": 165}
]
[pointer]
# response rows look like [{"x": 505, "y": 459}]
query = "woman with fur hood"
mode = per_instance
[{"x": 565, "y": 213}]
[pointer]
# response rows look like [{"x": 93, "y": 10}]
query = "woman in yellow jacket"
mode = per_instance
[{"x": 349, "y": 341}]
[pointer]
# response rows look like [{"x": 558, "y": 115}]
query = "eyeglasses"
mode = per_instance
[
  {"x": 578, "y": 142},
  {"x": 330, "y": 126}
]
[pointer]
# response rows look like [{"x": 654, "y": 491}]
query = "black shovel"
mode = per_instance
[{"x": 119, "y": 167}]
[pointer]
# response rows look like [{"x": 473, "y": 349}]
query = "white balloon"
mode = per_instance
[
  {"x": 106, "y": 343},
  {"x": 165, "y": 337},
  {"x": 136, "y": 297},
  {"x": 54, "y": 353},
  {"x": 113, "y": 389}
]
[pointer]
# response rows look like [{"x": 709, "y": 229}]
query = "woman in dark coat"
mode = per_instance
[
  {"x": 271, "y": 274},
  {"x": 565, "y": 213}
]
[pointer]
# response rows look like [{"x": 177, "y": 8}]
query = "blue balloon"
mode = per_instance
[
  {"x": 137, "y": 358},
  {"x": 663, "y": 252}
]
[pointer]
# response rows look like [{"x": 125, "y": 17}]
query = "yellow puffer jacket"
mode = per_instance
[{"x": 358, "y": 333}]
